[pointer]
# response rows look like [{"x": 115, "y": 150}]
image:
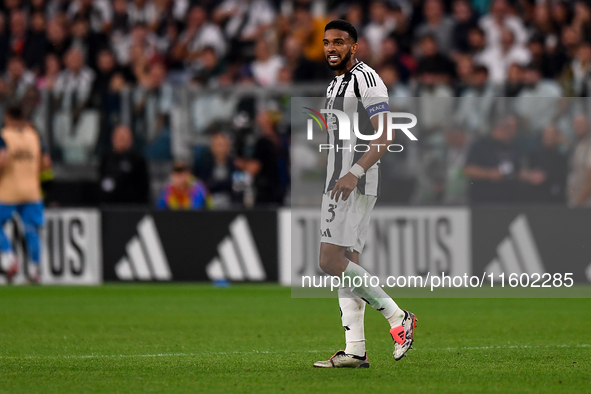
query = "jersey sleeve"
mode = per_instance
[{"x": 373, "y": 92}]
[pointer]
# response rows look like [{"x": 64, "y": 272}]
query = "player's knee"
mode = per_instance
[{"x": 328, "y": 263}]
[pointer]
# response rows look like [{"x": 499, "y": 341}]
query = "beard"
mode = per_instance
[{"x": 342, "y": 64}]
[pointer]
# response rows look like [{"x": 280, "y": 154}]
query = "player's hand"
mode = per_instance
[{"x": 345, "y": 185}]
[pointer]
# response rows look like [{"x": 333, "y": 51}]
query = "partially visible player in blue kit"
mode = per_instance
[{"x": 22, "y": 159}]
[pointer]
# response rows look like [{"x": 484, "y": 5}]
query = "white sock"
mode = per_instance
[
  {"x": 33, "y": 269},
  {"x": 352, "y": 315},
  {"x": 7, "y": 259},
  {"x": 374, "y": 296}
]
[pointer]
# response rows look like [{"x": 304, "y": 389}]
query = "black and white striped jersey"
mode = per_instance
[{"x": 358, "y": 90}]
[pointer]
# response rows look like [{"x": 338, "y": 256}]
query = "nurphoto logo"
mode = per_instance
[{"x": 337, "y": 120}]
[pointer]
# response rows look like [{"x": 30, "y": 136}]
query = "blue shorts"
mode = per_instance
[{"x": 30, "y": 213}]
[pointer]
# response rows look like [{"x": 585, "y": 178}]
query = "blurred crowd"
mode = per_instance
[
  {"x": 99, "y": 64},
  {"x": 95, "y": 46},
  {"x": 510, "y": 164}
]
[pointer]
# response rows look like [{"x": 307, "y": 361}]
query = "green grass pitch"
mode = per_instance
[{"x": 195, "y": 338}]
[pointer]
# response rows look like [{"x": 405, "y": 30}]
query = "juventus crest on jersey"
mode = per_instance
[{"x": 358, "y": 90}]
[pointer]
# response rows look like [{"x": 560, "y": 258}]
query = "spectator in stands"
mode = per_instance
[
  {"x": 141, "y": 11},
  {"x": 550, "y": 66},
  {"x": 403, "y": 31},
  {"x": 499, "y": 20},
  {"x": 434, "y": 73},
  {"x": 285, "y": 76},
  {"x": 570, "y": 41},
  {"x": 18, "y": 33},
  {"x": 103, "y": 99},
  {"x": 58, "y": 40},
  {"x": 245, "y": 22},
  {"x": 4, "y": 43},
  {"x": 98, "y": 13},
  {"x": 266, "y": 65},
  {"x": 582, "y": 19},
  {"x": 34, "y": 51},
  {"x": 136, "y": 70},
  {"x": 38, "y": 6},
  {"x": 168, "y": 12},
  {"x": 579, "y": 185},
  {"x": 153, "y": 105},
  {"x": 17, "y": 82},
  {"x": 140, "y": 37},
  {"x": 464, "y": 20},
  {"x": 535, "y": 86},
  {"x": 209, "y": 68},
  {"x": 166, "y": 47},
  {"x": 514, "y": 82},
  {"x": 309, "y": 31},
  {"x": 123, "y": 172},
  {"x": 199, "y": 34},
  {"x": 455, "y": 184},
  {"x": 354, "y": 15},
  {"x": 216, "y": 170},
  {"x": 380, "y": 25},
  {"x": 51, "y": 71},
  {"x": 493, "y": 167},
  {"x": 476, "y": 41},
  {"x": 87, "y": 41},
  {"x": 363, "y": 50},
  {"x": 183, "y": 191},
  {"x": 112, "y": 106},
  {"x": 464, "y": 69},
  {"x": 303, "y": 70},
  {"x": 267, "y": 163},
  {"x": 391, "y": 54},
  {"x": 549, "y": 159},
  {"x": 537, "y": 102},
  {"x": 498, "y": 58},
  {"x": 475, "y": 108},
  {"x": 433, "y": 62},
  {"x": 542, "y": 21},
  {"x": 438, "y": 25},
  {"x": 576, "y": 77},
  {"x": 73, "y": 85},
  {"x": 106, "y": 68},
  {"x": 396, "y": 89},
  {"x": 121, "y": 21}
]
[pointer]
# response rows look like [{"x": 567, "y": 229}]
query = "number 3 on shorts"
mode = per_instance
[{"x": 331, "y": 208}]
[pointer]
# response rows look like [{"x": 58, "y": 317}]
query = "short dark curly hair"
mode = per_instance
[{"x": 343, "y": 25}]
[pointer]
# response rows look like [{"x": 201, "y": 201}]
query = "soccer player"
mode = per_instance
[
  {"x": 350, "y": 194},
  {"x": 22, "y": 159}
]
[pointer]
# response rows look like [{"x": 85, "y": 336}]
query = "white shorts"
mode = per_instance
[{"x": 345, "y": 223}]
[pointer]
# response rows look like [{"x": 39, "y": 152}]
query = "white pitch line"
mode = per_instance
[
  {"x": 90, "y": 356},
  {"x": 159, "y": 354}
]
